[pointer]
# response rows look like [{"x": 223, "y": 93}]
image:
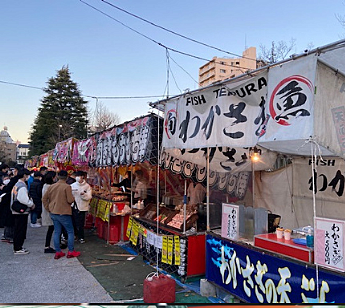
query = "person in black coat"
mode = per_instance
[
  {"x": 35, "y": 192},
  {"x": 126, "y": 182},
  {"x": 6, "y": 205},
  {"x": 3, "y": 171}
]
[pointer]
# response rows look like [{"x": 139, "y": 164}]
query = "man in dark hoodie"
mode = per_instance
[{"x": 35, "y": 192}]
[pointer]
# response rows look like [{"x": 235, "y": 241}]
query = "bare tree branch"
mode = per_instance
[
  {"x": 102, "y": 118},
  {"x": 277, "y": 52}
]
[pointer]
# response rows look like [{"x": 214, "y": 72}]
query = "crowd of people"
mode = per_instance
[{"x": 51, "y": 199}]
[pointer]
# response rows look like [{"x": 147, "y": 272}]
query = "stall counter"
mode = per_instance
[
  {"x": 190, "y": 261},
  {"x": 288, "y": 248}
]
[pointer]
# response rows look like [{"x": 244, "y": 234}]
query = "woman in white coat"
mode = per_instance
[
  {"x": 49, "y": 179},
  {"x": 82, "y": 193}
]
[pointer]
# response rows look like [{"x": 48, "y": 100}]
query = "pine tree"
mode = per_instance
[{"x": 62, "y": 114}]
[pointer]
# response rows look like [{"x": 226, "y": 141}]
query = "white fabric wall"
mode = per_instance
[
  {"x": 286, "y": 192},
  {"x": 330, "y": 94},
  {"x": 273, "y": 191}
]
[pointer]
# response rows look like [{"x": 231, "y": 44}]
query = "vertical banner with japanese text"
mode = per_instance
[
  {"x": 230, "y": 221},
  {"x": 329, "y": 243},
  {"x": 290, "y": 102},
  {"x": 165, "y": 249},
  {"x": 177, "y": 250},
  {"x": 170, "y": 249}
]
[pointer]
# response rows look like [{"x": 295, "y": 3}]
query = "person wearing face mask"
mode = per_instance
[
  {"x": 82, "y": 193},
  {"x": 3, "y": 171},
  {"x": 5, "y": 180},
  {"x": 20, "y": 193},
  {"x": 6, "y": 205}
]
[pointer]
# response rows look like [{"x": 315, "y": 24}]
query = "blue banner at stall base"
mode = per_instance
[{"x": 255, "y": 276}]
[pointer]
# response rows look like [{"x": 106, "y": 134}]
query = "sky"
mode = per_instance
[{"x": 107, "y": 59}]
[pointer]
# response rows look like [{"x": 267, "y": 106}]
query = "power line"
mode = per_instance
[
  {"x": 90, "y": 96},
  {"x": 156, "y": 42},
  {"x": 175, "y": 33},
  {"x": 20, "y": 85},
  {"x": 169, "y": 69},
  {"x": 184, "y": 70},
  {"x": 122, "y": 97}
]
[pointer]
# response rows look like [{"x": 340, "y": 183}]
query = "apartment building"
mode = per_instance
[{"x": 224, "y": 68}]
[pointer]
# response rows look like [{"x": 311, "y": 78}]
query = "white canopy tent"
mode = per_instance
[{"x": 294, "y": 108}]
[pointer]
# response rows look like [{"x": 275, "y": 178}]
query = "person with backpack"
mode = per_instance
[{"x": 21, "y": 204}]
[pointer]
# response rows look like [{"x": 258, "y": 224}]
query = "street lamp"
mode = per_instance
[{"x": 59, "y": 131}]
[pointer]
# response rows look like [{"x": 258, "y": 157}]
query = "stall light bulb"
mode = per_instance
[{"x": 255, "y": 157}]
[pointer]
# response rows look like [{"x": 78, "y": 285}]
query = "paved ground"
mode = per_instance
[
  {"x": 38, "y": 278},
  {"x": 102, "y": 274}
]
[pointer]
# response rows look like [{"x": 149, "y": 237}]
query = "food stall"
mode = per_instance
[
  {"x": 290, "y": 116},
  {"x": 161, "y": 240},
  {"x": 109, "y": 155},
  {"x": 133, "y": 146}
]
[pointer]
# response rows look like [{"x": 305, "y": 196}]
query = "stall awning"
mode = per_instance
[{"x": 282, "y": 108}]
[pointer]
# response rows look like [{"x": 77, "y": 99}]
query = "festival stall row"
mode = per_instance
[
  {"x": 291, "y": 113},
  {"x": 107, "y": 157}
]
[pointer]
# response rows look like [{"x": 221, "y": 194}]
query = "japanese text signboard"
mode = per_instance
[
  {"x": 275, "y": 105},
  {"x": 230, "y": 221},
  {"x": 329, "y": 243},
  {"x": 223, "y": 115},
  {"x": 257, "y": 277}
]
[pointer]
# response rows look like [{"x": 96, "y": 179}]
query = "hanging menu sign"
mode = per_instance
[
  {"x": 230, "y": 221},
  {"x": 329, "y": 243}
]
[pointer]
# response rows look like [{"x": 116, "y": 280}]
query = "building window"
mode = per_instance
[
  {"x": 223, "y": 71},
  {"x": 237, "y": 63},
  {"x": 222, "y": 62}
]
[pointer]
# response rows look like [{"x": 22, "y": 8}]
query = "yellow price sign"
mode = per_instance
[
  {"x": 129, "y": 226},
  {"x": 170, "y": 248},
  {"x": 177, "y": 250},
  {"x": 134, "y": 234},
  {"x": 164, "y": 249}
]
